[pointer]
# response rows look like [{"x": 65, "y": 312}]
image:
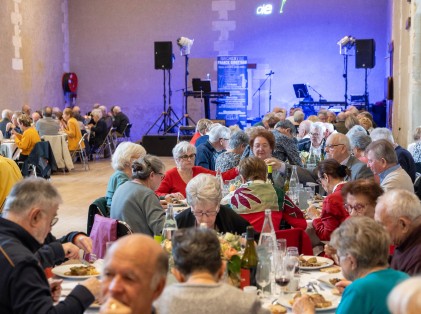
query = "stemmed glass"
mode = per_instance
[
  {"x": 292, "y": 252},
  {"x": 263, "y": 273},
  {"x": 283, "y": 273}
]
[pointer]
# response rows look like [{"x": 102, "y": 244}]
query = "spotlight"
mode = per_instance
[{"x": 185, "y": 44}]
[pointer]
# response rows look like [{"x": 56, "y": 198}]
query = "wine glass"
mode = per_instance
[
  {"x": 292, "y": 251},
  {"x": 263, "y": 271},
  {"x": 282, "y": 275},
  {"x": 281, "y": 246}
]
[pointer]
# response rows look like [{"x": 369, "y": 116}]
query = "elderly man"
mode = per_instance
[
  {"x": 35, "y": 117},
  {"x": 135, "y": 271},
  {"x": 6, "y": 116},
  {"x": 47, "y": 125},
  {"x": 339, "y": 148},
  {"x": 26, "y": 109},
  {"x": 317, "y": 141},
  {"x": 285, "y": 143},
  {"x": 120, "y": 121},
  {"x": 399, "y": 211},
  {"x": 382, "y": 160},
  {"x": 207, "y": 153},
  {"x": 29, "y": 213},
  {"x": 405, "y": 159},
  {"x": 304, "y": 131},
  {"x": 340, "y": 124}
]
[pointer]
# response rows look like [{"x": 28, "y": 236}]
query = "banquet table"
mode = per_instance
[
  {"x": 8, "y": 148},
  {"x": 60, "y": 150}
]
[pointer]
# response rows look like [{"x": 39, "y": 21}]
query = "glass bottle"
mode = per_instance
[
  {"x": 267, "y": 235},
  {"x": 294, "y": 184},
  {"x": 287, "y": 179},
  {"x": 170, "y": 225},
  {"x": 312, "y": 159},
  {"x": 270, "y": 175},
  {"x": 249, "y": 261}
]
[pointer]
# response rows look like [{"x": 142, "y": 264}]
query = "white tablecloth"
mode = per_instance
[
  {"x": 60, "y": 150},
  {"x": 7, "y": 149}
]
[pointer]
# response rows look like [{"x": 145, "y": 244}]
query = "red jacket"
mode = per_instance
[{"x": 333, "y": 213}]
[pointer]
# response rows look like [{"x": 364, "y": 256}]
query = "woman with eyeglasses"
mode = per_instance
[
  {"x": 177, "y": 178},
  {"x": 204, "y": 195},
  {"x": 135, "y": 201},
  {"x": 331, "y": 176}
]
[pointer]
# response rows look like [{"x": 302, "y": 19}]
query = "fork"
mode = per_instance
[{"x": 314, "y": 282}]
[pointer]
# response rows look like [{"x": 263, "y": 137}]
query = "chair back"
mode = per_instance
[
  {"x": 257, "y": 219},
  {"x": 103, "y": 230},
  {"x": 127, "y": 129},
  {"x": 123, "y": 229},
  {"x": 417, "y": 187},
  {"x": 297, "y": 238},
  {"x": 98, "y": 207},
  {"x": 41, "y": 159}
]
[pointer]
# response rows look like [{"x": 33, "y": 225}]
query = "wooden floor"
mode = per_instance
[{"x": 79, "y": 189}]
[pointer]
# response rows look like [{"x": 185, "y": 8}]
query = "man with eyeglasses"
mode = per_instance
[
  {"x": 29, "y": 213},
  {"x": 338, "y": 147}
]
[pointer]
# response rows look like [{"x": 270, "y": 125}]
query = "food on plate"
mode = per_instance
[
  {"x": 277, "y": 309},
  {"x": 310, "y": 262},
  {"x": 82, "y": 271},
  {"x": 331, "y": 270},
  {"x": 334, "y": 281},
  {"x": 319, "y": 301},
  {"x": 318, "y": 197},
  {"x": 336, "y": 291},
  {"x": 175, "y": 201}
]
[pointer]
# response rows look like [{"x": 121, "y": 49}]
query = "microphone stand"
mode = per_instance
[
  {"x": 269, "y": 75},
  {"x": 320, "y": 95}
]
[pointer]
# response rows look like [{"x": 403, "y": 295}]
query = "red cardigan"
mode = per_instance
[
  {"x": 173, "y": 182},
  {"x": 333, "y": 213}
]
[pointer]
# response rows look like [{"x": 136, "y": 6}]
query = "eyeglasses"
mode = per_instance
[
  {"x": 187, "y": 157},
  {"x": 357, "y": 207},
  {"x": 225, "y": 139},
  {"x": 54, "y": 221},
  {"x": 314, "y": 134},
  {"x": 207, "y": 214},
  {"x": 330, "y": 147}
]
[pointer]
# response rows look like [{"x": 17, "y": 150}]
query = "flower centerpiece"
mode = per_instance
[{"x": 230, "y": 247}]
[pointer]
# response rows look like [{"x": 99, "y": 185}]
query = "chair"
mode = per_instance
[
  {"x": 107, "y": 144},
  {"x": 185, "y": 131},
  {"x": 125, "y": 136},
  {"x": 298, "y": 238},
  {"x": 40, "y": 161},
  {"x": 81, "y": 152},
  {"x": 257, "y": 219},
  {"x": 418, "y": 167},
  {"x": 98, "y": 207},
  {"x": 123, "y": 229}
]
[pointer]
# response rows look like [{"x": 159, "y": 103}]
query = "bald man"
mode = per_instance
[
  {"x": 120, "y": 121},
  {"x": 135, "y": 271}
]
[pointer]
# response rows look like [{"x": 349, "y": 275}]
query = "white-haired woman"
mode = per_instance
[
  {"x": 121, "y": 162},
  {"x": 362, "y": 246},
  {"x": 204, "y": 196},
  {"x": 98, "y": 131},
  {"x": 207, "y": 153},
  {"x": 176, "y": 179},
  {"x": 135, "y": 201}
]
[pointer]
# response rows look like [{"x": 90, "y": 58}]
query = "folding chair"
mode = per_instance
[
  {"x": 184, "y": 132},
  {"x": 107, "y": 144},
  {"x": 125, "y": 136},
  {"x": 123, "y": 229},
  {"x": 81, "y": 153},
  {"x": 98, "y": 207}
]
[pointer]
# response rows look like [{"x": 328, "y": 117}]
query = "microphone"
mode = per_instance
[{"x": 270, "y": 73}]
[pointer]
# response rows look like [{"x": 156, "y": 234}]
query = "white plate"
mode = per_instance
[
  {"x": 326, "y": 262},
  {"x": 61, "y": 270},
  {"x": 325, "y": 279},
  {"x": 285, "y": 299}
]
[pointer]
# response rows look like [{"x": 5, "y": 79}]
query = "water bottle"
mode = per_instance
[
  {"x": 170, "y": 225},
  {"x": 294, "y": 185},
  {"x": 267, "y": 235}
]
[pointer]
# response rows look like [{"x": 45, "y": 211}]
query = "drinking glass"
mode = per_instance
[
  {"x": 282, "y": 247},
  {"x": 263, "y": 272},
  {"x": 292, "y": 252},
  {"x": 282, "y": 275}
]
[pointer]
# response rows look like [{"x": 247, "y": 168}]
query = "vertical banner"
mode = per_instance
[{"x": 232, "y": 78}]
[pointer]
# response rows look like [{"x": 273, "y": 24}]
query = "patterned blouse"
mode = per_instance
[{"x": 226, "y": 161}]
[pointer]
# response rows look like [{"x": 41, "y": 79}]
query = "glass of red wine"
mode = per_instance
[{"x": 284, "y": 272}]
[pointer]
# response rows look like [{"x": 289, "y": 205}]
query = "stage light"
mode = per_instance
[{"x": 185, "y": 44}]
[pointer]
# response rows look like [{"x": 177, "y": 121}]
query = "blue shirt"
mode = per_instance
[
  {"x": 368, "y": 294},
  {"x": 386, "y": 172}
]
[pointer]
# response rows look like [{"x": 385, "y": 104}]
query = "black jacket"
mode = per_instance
[
  {"x": 120, "y": 122},
  {"x": 23, "y": 285}
]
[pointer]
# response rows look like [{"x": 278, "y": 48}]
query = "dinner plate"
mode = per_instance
[
  {"x": 61, "y": 270},
  {"x": 325, "y": 279},
  {"x": 285, "y": 300},
  {"x": 326, "y": 262}
]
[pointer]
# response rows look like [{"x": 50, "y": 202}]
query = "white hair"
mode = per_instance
[
  {"x": 319, "y": 126},
  {"x": 97, "y": 113},
  {"x": 182, "y": 148},
  {"x": 329, "y": 126},
  {"x": 218, "y": 131},
  {"x": 400, "y": 203},
  {"x": 6, "y": 114},
  {"x": 124, "y": 154},
  {"x": 203, "y": 188},
  {"x": 382, "y": 134}
]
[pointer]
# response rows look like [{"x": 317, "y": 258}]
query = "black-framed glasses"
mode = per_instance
[
  {"x": 332, "y": 146},
  {"x": 187, "y": 157},
  {"x": 212, "y": 213},
  {"x": 54, "y": 221},
  {"x": 225, "y": 139}
]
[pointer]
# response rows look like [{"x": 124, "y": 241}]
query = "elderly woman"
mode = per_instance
[
  {"x": 207, "y": 153},
  {"x": 198, "y": 267},
  {"x": 331, "y": 175},
  {"x": 121, "y": 162},
  {"x": 204, "y": 196},
  {"x": 256, "y": 195},
  {"x": 202, "y": 128},
  {"x": 363, "y": 249},
  {"x": 231, "y": 158},
  {"x": 135, "y": 201},
  {"x": 176, "y": 179},
  {"x": 71, "y": 127},
  {"x": 26, "y": 141}
]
